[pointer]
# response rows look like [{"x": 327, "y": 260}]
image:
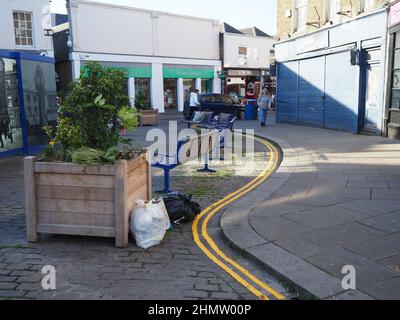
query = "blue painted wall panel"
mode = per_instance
[
  {"x": 341, "y": 93},
  {"x": 287, "y": 97},
  {"x": 311, "y": 91}
]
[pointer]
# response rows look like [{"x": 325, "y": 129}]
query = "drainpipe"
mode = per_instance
[{"x": 70, "y": 43}]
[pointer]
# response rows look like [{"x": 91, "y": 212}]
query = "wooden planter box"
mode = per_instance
[
  {"x": 149, "y": 117},
  {"x": 69, "y": 199}
]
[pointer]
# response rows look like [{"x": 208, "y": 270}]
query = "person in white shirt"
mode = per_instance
[{"x": 194, "y": 99}]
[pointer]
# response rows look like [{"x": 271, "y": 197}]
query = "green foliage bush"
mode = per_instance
[{"x": 90, "y": 118}]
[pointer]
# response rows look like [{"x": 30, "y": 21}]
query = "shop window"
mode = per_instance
[
  {"x": 170, "y": 87},
  {"x": 206, "y": 85},
  {"x": 23, "y": 28},
  {"x": 188, "y": 88},
  {"x": 242, "y": 56},
  {"x": 39, "y": 80},
  {"x": 300, "y": 9},
  {"x": 142, "y": 94},
  {"x": 10, "y": 125},
  {"x": 395, "y": 101}
]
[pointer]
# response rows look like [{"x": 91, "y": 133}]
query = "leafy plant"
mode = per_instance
[
  {"x": 128, "y": 117},
  {"x": 142, "y": 101},
  {"x": 86, "y": 156},
  {"x": 90, "y": 117}
]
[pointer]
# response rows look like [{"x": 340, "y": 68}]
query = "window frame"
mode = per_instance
[
  {"x": 296, "y": 9},
  {"x": 26, "y": 29}
]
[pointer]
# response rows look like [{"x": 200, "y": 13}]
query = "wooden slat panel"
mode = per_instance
[
  {"x": 136, "y": 184},
  {"x": 76, "y": 206},
  {"x": 140, "y": 194},
  {"x": 70, "y": 168},
  {"x": 66, "y": 218},
  {"x": 30, "y": 199},
  {"x": 75, "y": 193},
  {"x": 76, "y": 180},
  {"x": 132, "y": 165},
  {"x": 76, "y": 230},
  {"x": 120, "y": 204},
  {"x": 137, "y": 173}
]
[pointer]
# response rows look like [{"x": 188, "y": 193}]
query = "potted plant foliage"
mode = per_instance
[
  {"x": 147, "y": 115},
  {"x": 88, "y": 179}
]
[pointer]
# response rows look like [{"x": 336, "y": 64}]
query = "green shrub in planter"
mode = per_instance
[{"x": 90, "y": 117}]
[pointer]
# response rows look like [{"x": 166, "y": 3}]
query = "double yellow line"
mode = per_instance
[{"x": 242, "y": 275}]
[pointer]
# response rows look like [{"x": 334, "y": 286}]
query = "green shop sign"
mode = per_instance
[
  {"x": 133, "y": 72},
  {"x": 175, "y": 73}
]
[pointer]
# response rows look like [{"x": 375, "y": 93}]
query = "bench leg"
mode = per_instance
[
  {"x": 206, "y": 168},
  {"x": 166, "y": 182}
]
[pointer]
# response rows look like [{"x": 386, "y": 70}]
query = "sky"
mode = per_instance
[{"x": 238, "y": 13}]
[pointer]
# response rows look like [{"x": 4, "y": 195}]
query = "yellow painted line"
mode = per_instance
[{"x": 214, "y": 208}]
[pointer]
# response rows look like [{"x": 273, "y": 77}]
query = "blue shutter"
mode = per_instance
[
  {"x": 311, "y": 91},
  {"x": 287, "y": 98},
  {"x": 341, "y": 93}
]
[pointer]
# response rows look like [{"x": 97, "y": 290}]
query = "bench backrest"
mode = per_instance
[{"x": 197, "y": 146}]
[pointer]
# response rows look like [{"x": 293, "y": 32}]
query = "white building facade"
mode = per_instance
[
  {"x": 246, "y": 60},
  {"x": 23, "y": 24},
  {"x": 165, "y": 55}
]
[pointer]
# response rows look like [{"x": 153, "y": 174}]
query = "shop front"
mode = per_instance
[
  {"x": 28, "y": 101},
  {"x": 181, "y": 80},
  {"x": 393, "y": 92},
  {"x": 243, "y": 84}
]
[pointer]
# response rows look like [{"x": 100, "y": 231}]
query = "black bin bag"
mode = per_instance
[{"x": 181, "y": 208}]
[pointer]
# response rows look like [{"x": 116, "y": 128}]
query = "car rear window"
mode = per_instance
[{"x": 208, "y": 99}]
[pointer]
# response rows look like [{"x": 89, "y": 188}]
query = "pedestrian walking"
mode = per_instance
[
  {"x": 194, "y": 99},
  {"x": 264, "y": 102}
]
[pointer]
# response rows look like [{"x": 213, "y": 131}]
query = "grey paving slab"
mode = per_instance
[
  {"x": 379, "y": 248},
  {"x": 275, "y": 228},
  {"x": 300, "y": 246},
  {"x": 386, "y": 194},
  {"x": 392, "y": 263},
  {"x": 386, "y": 290},
  {"x": 389, "y": 222},
  {"x": 368, "y": 272},
  {"x": 352, "y": 295},
  {"x": 394, "y": 185},
  {"x": 372, "y": 207},
  {"x": 272, "y": 209},
  {"x": 343, "y": 235},
  {"x": 325, "y": 217},
  {"x": 368, "y": 184}
]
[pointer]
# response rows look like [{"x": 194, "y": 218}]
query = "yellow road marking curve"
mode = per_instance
[{"x": 214, "y": 208}]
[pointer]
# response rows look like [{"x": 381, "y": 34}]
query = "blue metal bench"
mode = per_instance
[
  {"x": 183, "y": 154},
  {"x": 221, "y": 124},
  {"x": 172, "y": 161}
]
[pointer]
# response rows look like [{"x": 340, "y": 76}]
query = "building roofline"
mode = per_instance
[{"x": 102, "y": 4}]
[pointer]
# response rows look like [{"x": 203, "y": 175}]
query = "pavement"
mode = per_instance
[
  {"x": 92, "y": 268},
  {"x": 334, "y": 202}
]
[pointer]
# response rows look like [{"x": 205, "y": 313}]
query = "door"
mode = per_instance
[
  {"x": 371, "y": 116},
  {"x": 286, "y": 95},
  {"x": 341, "y": 93},
  {"x": 311, "y": 91}
]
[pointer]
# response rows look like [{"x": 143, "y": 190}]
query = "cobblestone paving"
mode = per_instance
[{"x": 91, "y": 268}]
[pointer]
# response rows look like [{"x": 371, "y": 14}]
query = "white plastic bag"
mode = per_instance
[
  {"x": 160, "y": 203},
  {"x": 148, "y": 224}
]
